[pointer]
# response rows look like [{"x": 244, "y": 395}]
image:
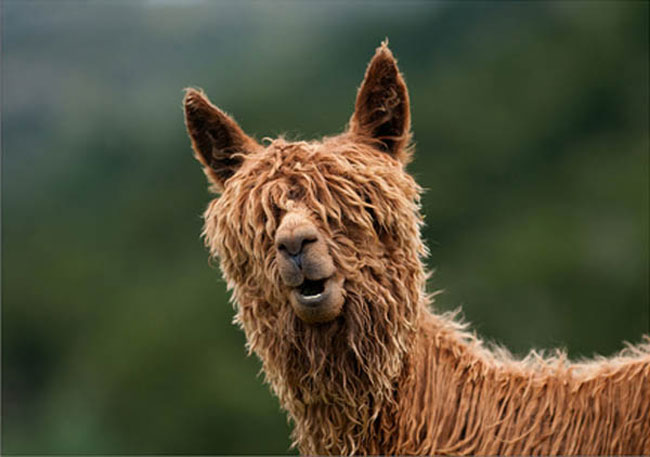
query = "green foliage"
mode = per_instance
[{"x": 531, "y": 121}]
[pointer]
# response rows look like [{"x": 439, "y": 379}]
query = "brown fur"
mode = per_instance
[{"x": 385, "y": 374}]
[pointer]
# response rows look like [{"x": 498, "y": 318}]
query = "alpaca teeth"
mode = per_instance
[{"x": 312, "y": 297}]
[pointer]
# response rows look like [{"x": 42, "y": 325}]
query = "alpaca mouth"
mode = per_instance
[
  {"x": 312, "y": 292},
  {"x": 311, "y": 288},
  {"x": 318, "y": 300}
]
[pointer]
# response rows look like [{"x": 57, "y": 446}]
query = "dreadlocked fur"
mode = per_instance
[
  {"x": 333, "y": 382},
  {"x": 387, "y": 375}
]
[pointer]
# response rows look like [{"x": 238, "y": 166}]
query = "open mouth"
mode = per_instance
[
  {"x": 311, "y": 288},
  {"x": 318, "y": 300},
  {"x": 312, "y": 292}
]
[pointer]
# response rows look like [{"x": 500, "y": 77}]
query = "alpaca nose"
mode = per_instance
[
  {"x": 301, "y": 250},
  {"x": 294, "y": 235},
  {"x": 294, "y": 242}
]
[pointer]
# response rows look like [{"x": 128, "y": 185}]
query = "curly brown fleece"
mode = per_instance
[{"x": 388, "y": 375}]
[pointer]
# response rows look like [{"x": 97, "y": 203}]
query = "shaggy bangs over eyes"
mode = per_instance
[{"x": 326, "y": 184}]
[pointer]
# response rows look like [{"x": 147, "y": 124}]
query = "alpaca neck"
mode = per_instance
[{"x": 355, "y": 414}]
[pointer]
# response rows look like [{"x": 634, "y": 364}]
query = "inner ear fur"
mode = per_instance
[
  {"x": 218, "y": 141},
  {"x": 382, "y": 113}
]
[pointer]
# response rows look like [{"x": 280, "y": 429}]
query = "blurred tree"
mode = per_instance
[{"x": 532, "y": 127}]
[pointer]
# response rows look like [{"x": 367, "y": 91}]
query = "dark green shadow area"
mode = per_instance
[{"x": 531, "y": 122}]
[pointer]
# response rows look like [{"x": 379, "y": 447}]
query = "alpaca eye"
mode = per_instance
[{"x": 295, "y": 193}]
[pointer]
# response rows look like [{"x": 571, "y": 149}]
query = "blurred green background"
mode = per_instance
[{"x": 531, "y": 121}]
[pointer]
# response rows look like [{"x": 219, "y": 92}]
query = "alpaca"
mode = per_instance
[{"x": 320, "y": 244}]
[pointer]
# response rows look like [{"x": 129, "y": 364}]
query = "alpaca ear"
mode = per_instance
[
  {"x": 218, "y": 142},
  {"x": 382, "y": 109}
]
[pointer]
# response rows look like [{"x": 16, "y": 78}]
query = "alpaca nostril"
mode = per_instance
[{"x": 307, "y": 241}]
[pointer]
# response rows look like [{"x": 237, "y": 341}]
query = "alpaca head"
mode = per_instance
[{"x": 319, "y": 241}]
